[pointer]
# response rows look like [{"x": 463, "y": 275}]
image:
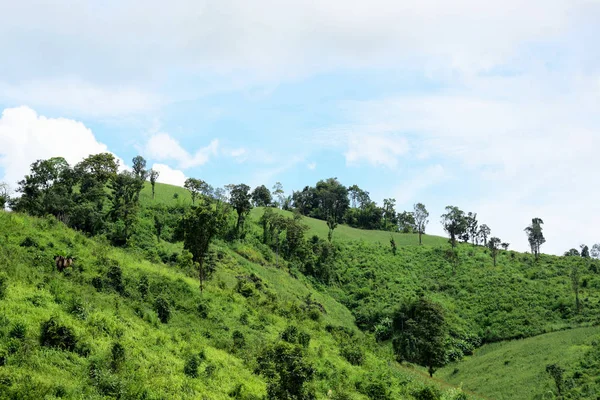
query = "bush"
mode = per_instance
[
  {"x": 427, "y": 393},
  {"x": 143, "y": 286},
  {"x": 117, "y": 356},
  {"x": 202, "y": 309},
  {"x": 114, "y": 278},
  {"x": 191, "y": 366},
  {"x": 18, "y": 331},
  {"x": 353, "y": 353},
  {"x": 77, "y": 308},
  {"x": 375, "y": 390},
  {"x": 3, "y": 286},
  {"x": 161, "y": 305},
  {"x": 239, "y": 341},
  {"x": 54, "y": 334}
]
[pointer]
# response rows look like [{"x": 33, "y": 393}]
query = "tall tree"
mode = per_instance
[
  {"x": 483, "y": 233},
  {"x": 454, "y": 223},
  {"x": 195, "y": 187},
  {"x": 240, "y": 201},
  {"x": 4, "y": 195},
  {"x": 535, "y": 236},
  {"x": 575, "y": 284},
  {"x": 420, "y": 331},
  {"x": 261, "y": 196},
  {"x": 139, "y": 168},
  {"x": 572, "y": 253},
  {"x": 421, "y": 216},
  {"x": 494, "y": 245},
  {"x": 199, "y": 227},
  {"x": 153, "y": 178},
  {"x": 505, "y": 245},
  {"x": 585, "y": 251},
  {"x": 279, "y": 194},
  {"x": 472, "y": 227},
  {"x": 126, "y": 188},
  {"x": 595, "y": 253},
  {"x": 406, "y": 222},
  {"x": 390, "y": 218},
  {"x": 333, "y": 202}
]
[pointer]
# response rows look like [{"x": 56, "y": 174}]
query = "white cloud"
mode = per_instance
[
  {"x": 519, "y": 147},
  {"x": 169, "y": 175},
  {"x": 163, "y": 147},
  {"x": 376, "y": 149},
  {"x": 26, "y": 137},
  {"x": 80, "y": 97},
  {"x": 311, "y": 165}
]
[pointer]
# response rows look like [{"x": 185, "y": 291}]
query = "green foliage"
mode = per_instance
[
  {"x": 163, "y": 309},
  {"x": 117, "y": 356},
  {"x": 191, "y": 366},
  {"x": 3, "y": 285},
  {"x": 54, "y": 333}
]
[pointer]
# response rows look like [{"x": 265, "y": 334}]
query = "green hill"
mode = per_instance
[{"x": 94, "y": 330}]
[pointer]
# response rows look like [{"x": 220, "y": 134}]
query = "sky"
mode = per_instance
[{"x": 493, "y": 107}]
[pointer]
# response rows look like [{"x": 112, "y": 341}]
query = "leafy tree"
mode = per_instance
[
  {"x": 199, "y": 227},
  {"x": 472, "y": 227},
  {"x": 406, "y": 222},
  {"x": 572, "y": 253},
  {"x": 294, "y": 234},
  {"x": 139, "y": 168},
  {"x": 126, "y": 189},
  {"x": 287, "y": 372},
  {"x": 420, "y": 331},
  {"x": 454, "y": 223},
  {"x": 240, "y": 201},
  {"x": 153, "y": 178},
  {"x": 261, "y": 196},
  {"x": 390, "y": 218},
  {"x": 595, "y": 253},
  {"x": 99, "y": 167},
  {"x": 393, "y": 244},
  {"x": 279, "y": 194},
  {"x": 494, "y": 245},
  {"x": 575, "y": 275},
  {"x": 484, "y": 233},
  {"x": 535, "y": 236},
  {"x": 420, "y": 215},
  {"x": 505, "y": 245},
  {"x": 195, "y": 187},
  {"x": 556, "y": 372},
  {"x": 585, "y": 251},
  {"x": 4, "y": 195},
  {"x": 333, "y": 202}
]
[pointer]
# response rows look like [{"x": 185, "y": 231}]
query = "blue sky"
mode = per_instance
[{"x": 492, "y": 107}]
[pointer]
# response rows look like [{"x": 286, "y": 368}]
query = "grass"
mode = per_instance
[
  {"x": 346, "y": 233},
  {"x": 516, "y": 369}
]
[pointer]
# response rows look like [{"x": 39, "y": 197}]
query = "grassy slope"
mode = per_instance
[
  {"x": 516, "y": 369},
  {"x": 156, "y": 352}
]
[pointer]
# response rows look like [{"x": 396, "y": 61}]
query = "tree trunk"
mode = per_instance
[
  {"x": 201, "y": 275},
  {"x": 420, "y": 243}
]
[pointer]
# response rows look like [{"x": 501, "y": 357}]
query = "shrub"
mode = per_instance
[
  {"x": 54, "y": 334},
  {"x": 239, "y": 340},
  {"x": 29, "y": 242},
  {"x": 375, "y": 390},
  {"x": 202, "y": 309},
  {"x": 161, "y": 305},
  {"x": 143, "y": 286},
  {"x": 353, "y": 353},
  {"x": 117, "y": 356},
  {"x": 97, "y": 283},
  {"x": 3, "y": 286},
  {"x": 190, "y": 367},
  {"x": 114, "y": 278},
  {"x": 244, "y": 288},
  {"x": 77, "y": 308},
  {"x": 18, "y": 331},
  {"x": 427, "y": 393}
]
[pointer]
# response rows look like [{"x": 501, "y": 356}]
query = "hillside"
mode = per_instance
[{"x": 106, "y": 340}]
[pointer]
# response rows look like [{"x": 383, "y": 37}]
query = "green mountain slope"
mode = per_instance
[{"x": 105, "y": 338}]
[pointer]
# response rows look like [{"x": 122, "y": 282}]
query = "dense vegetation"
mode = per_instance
[{"x": 161, "y": 291}]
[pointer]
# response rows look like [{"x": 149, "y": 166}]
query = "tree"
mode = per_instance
[
  {"x": 595, "y": 253},
  {"x": 195, "y": 186},
  {"x": 393, "y": 244},
  {"x": 494, "y": 245},
  {"x": 406, "y": 222},
  {"x": 535, "y": 236},
  {"x": 420, "y": 332},
  {"x": 153, "y": 178},
  {"x": 454, "y": 223},
  {"x": 484, "y": 233},
  {"x": 420, "y": 215},
  {"x": 139, "y": 168},
  {"x": 390, "y": 218},
  {"x": 126, "y": 188},
  {"x": 472, "y": 227},
  {"x": 278, "y": 192},
  {"x": 261, "y": 196},
  {"x": 4, "y": 195},
  {"x": 240, "y": 200},
  {"x": 199, "y": 227},
  {"x": 575, "y": 284},
  {"x": 333, "y": 202},
  {"x": 585, "y": 251},
  {"x": 505, "y": 245},
  {"x": 556, "y": 372},
  {"x": 572, "y": 253}
]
